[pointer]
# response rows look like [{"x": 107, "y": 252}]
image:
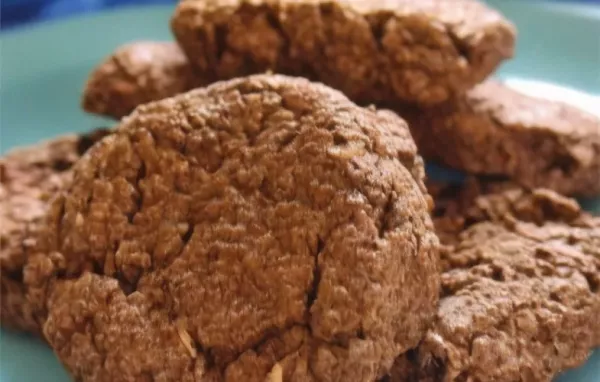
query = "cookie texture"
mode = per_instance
[
  {"x": 137, "y": 73},
  {"x": 424, "y": 51},
  {"x": 29, "y": 177},
  {"x": 520, "y": 288},
  {"x": 264, "y": 226},
  {"x": 495, "y": 130}
]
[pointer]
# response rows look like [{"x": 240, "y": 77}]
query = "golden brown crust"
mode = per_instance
[
  {"x": 425, "y": 51},
  {"x": 520, "y": 287},
  {"x": 135, "y": 74},
  {"x": 495, "y": 130},
  {"x": 258, "y": 221},
  {"x": 29, "y": 177}
]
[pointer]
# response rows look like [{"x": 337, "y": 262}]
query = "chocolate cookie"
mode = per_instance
[
  {"x": 520, "y": 296},
  {"x": 135, "y": 74},
  {"x": 498, "y": 131},
  {"x": 29, "y": 177},
  {"x": 261, "y": 226},
  {"x": 424, "y": 51}
]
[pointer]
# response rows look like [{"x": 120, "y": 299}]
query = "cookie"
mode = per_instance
[
  {"x": 422, "y": 52},
  {"x": 135, "y": 74},
  {"x": 495, "y": 130},
  {"x": 260, "y": 226},
  {"x": 28, "y": 179},
  {"x": 520, "y": 288}
]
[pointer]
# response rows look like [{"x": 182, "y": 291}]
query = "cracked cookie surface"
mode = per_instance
[
  {"x": 258, "y": 222},
  {"x": 425, "y": 51},
  {"x": 520, "y": 287},
  {"x": 29, "y": 177},
  {"x": 495, "y": 130}
]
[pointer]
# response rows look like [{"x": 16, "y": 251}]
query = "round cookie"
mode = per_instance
[
  {"x": 261, "y": 226},
  {"x": 495, "y": 130},
  {"x": 520, "y": 287},
  {"x": 425, "y": 51},
  {"x": 29, "y": 177},
  {"x": 135, "y": 74}
]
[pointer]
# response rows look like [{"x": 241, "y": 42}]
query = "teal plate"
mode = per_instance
[{"x": 43, "y": 69}]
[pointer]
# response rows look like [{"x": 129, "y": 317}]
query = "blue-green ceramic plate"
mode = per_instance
[{"x": 43, "y": 69}]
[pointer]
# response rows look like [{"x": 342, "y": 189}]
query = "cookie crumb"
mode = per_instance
[
  {"x": 186, "y": 339},
  {"x": 276, "y": 374}
]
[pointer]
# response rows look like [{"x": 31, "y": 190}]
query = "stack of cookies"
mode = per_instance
[{"x": 260, "y": 213}]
